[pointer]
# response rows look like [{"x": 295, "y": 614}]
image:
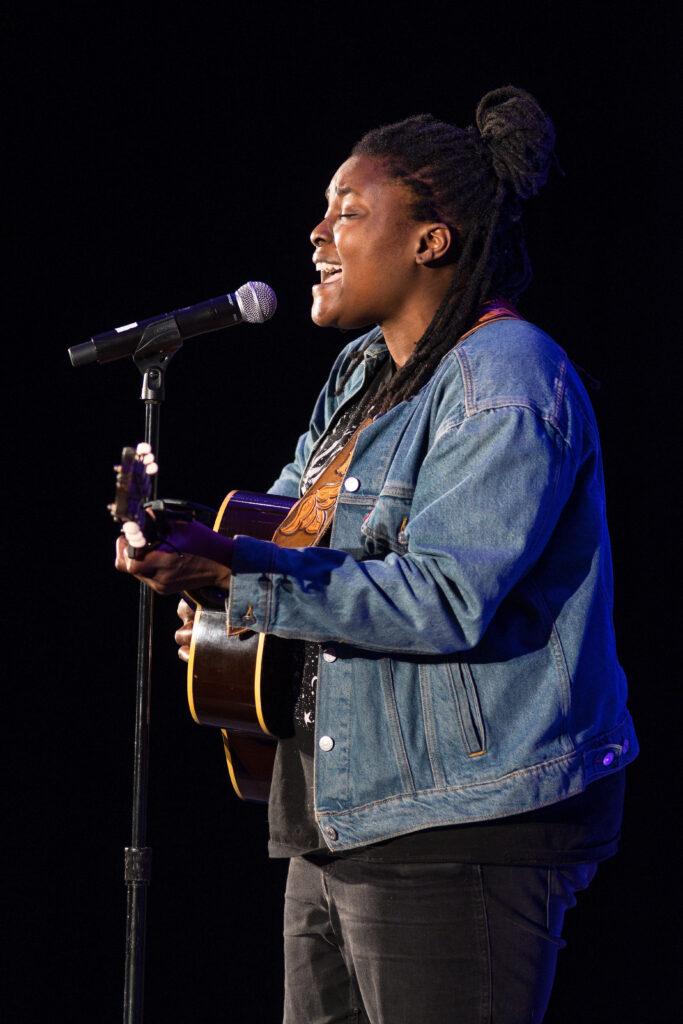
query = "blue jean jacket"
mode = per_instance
[{"x": 468, "y": 668}]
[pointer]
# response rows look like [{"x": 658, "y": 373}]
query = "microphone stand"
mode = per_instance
[{"x": 159, "y": 343}]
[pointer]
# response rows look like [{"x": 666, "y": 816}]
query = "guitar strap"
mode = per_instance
[{"x": 307, "y": 521}]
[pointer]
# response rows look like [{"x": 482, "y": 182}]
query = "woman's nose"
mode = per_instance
[{"x": 320, "y": 234}]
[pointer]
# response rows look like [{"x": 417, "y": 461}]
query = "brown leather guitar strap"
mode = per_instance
[{"x": 307, "y": 521}]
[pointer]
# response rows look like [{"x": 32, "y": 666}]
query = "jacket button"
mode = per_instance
[
  {"x": 326, "y": 743},
  {"x": 329, "y": 654},
  {"x": 331, "y": 833},
  {"x": 352, "y": 483}
]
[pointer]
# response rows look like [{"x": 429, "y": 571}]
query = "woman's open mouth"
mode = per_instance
[{"x": 329, "y": 272}]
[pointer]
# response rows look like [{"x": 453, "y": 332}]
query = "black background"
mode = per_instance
[{"x": 158, "y": 159}]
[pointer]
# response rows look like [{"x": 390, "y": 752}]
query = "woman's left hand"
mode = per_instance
[{"x": 191, "y": 556}]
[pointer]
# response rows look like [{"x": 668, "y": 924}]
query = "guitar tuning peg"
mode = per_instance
[
  {"x": 130, "y": 528},
  {"x": 143, "y": 448},
  {"x": 134, "y": 535},
  {"x": 151, "y": 468}
]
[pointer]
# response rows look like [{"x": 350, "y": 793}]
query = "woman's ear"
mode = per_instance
[{"x": 435, "y": 243}]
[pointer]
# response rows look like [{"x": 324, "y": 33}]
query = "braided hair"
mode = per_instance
[{"x": 473, "y": 180}]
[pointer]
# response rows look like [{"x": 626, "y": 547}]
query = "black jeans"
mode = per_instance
[{"x": 374, "y": 943}]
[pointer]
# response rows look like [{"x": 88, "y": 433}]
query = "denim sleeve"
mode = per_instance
[{"x": 488, "y": 495}]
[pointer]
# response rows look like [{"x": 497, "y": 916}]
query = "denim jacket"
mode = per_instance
[{"x": 468, "y": 668}]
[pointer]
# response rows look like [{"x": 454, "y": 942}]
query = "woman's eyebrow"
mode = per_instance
[{"x": 344, "y": 191}]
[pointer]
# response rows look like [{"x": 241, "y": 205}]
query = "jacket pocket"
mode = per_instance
[
  {"x": 391, "y": 707},
  {"x": 384, "y": 525},
  {"x": 468, "y": 708}
]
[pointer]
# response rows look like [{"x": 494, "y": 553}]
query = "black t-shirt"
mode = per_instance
[{"x": 583, "y": 828}]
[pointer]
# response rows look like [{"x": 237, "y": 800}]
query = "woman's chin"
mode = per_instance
[
  {"x": 323, "y": 313},
  {"x": 328, "y": 314}
]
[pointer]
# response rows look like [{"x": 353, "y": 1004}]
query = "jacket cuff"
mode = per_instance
[{"x": 250, "y": 603}]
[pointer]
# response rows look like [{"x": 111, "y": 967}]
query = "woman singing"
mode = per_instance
[{"x": 455, "y": 772}]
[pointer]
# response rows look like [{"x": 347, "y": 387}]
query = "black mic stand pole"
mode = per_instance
[{"x": 159, "y": 342}]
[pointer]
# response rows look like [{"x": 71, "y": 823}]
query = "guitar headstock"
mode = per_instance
[{"x": 134, "y": 487}]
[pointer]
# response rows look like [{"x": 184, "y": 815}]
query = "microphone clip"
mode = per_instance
[{"x": 159, "y": 343}]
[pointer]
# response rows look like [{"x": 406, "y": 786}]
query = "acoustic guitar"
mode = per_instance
[{"x": 243, "y": 683}]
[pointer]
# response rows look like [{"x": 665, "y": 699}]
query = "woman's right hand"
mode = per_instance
[{"x": 183, "y": 635}]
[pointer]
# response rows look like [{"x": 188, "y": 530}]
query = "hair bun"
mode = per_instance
[{"x": 520, "y": 137}]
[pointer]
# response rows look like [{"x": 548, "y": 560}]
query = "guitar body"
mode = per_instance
[{"x": 242, "y": 682}]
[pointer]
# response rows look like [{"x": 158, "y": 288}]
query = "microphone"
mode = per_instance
[{"x": 253, "y": 303}]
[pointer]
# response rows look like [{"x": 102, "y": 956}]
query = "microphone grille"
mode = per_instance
[{"x": 257, "y": 302}]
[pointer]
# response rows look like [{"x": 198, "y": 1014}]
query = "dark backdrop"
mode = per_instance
[{"x": 162, "y": 158}]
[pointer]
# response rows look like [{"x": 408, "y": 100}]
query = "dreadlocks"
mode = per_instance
[{"x": 472, "y": 180}]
